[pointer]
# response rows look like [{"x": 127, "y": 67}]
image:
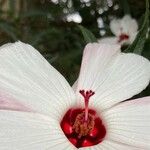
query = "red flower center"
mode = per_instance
[
  {"x": 123, "y": 37},
  {"x": 83, "y": 127}
]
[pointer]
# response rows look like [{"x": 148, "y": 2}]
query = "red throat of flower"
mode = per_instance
[
  {"x": 83, "y": 127},
  {"x": 123, "y": 37}
]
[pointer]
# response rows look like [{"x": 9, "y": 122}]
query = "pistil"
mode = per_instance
[
  {"x": 84, "y": 122},
  {"x": 86, "y": 96}
]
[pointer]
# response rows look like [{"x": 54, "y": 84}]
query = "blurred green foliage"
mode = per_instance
[
  {"x": 43, "y": 24},
  {"x": 137, "y": 46}
]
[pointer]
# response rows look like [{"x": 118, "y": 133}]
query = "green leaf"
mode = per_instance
[
  {"x": 39, "y": 37},
  {"x": 138, "y": 44},
  {"x": 146, "y": 51},
  {"x": 88, "y": 35},
  {"x": 10, "y": 30},
  {"x": 125, "y": 6},
  {"x": 11, "y": 6},
  {"x": 34, "y": 13}
]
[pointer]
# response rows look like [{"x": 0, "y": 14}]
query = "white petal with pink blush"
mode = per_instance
[
  {"x": 39, "y": 109},
  {"x": 29, "y": 79},
  {"x": 108, "y": 40}
]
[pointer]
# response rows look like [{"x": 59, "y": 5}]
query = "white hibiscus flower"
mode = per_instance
[
  {"x": 40, "y": 111},
  {"x": 125, "y": 31}
]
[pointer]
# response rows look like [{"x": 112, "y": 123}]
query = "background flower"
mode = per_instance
[{"x": 125, "y": 31}]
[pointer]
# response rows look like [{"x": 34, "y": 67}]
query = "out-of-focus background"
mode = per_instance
[{"x": 51, "y": 27}]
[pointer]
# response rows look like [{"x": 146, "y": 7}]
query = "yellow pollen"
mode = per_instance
[{"x": 83, "y": 127}]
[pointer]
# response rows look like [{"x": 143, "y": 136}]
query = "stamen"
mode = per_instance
[{"x": 86, "y": 95}]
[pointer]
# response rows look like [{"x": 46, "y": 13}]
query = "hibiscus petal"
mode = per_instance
[
  {"x": 129, "y": 25},
  {"x": 129, "y": 123},
  {"x": 74, "y": 86},
  {"x": 27, "y": 77},
  {"x": 111, "y": 145},
  {"x": 115, "y": 26},
  {"x": 108, "y": 40},
  {"x": 31, "y": 131},
  {"x": 114, "y": 77},
  {"x": 104, "y": 54},
  {"x": 6, "y": 102},
  {"x": 96, "y": 58}
]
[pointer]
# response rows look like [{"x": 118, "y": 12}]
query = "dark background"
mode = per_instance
[{"x": 43, "y": 24}]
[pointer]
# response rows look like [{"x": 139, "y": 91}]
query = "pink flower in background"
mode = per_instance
[
  {"x": 125, "y": 31},
  {"x": 49, "y": 115}
]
